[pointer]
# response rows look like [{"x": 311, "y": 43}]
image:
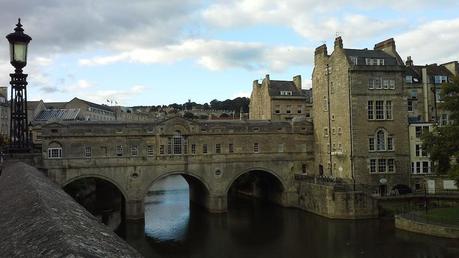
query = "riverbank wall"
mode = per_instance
[
  {"x": 413, "y": 223},
  {"x": 335, "y": 202},
  {"x": 38, "y": 219}
]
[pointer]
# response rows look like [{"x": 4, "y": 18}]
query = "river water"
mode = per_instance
[{"x": 251, "y": 228}]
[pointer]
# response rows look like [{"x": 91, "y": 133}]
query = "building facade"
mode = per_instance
[
  {"x": 360, "y": 118},
  {"x": 279, "y": 100}
]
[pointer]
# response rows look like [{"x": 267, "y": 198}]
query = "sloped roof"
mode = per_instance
[
  {"x": 58, "y": 114},
  {"x": 94, "y": 105},
  {"x": 55, "y": 105},
  {"x": 361, "y": 54},
  {"x": 275, "y": 87}
]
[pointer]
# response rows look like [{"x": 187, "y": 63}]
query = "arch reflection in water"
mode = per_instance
[{"x": 167, "y": 209}]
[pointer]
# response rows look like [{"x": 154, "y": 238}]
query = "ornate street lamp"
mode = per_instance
[{"x": 19, "y": 133}]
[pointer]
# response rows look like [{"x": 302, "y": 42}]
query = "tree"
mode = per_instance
[{"x": 442, "y": 143}]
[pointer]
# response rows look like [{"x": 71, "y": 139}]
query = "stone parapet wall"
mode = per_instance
[{"x": 38, "y": 219}]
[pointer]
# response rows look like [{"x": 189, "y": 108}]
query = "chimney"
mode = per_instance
[
  {"x": 388, "y": 46},
  {"x": 408, "y": 61},
  {"x": 321, "y": 50},
  {"x": 297, "y": 81},
  {"x": 338, "y": 42}
]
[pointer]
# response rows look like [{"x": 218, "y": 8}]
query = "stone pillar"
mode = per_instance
[
  {"x": 135, "y": 210},
  {"x": 217, "y": 203}
]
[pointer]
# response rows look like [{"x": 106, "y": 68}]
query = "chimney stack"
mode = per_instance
[
  {"x": 338, "y": 42},
  {"x": 297, "y": 81},
  {"x": 409, "y": 62}
]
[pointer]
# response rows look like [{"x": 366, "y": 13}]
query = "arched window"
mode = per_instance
[
  {"x": 54, "y": 150},
  {"x": 380, "y": 140},
  {"x": 177, "y": 144}
]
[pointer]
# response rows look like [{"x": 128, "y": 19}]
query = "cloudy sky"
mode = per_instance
[{"x": 150, "y": 52}]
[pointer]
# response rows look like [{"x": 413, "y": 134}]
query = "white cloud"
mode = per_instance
[
  {"x": 432, "y": 42},
  {"x": 216, "y": 55},
  {"x": 119, "y": 96}
]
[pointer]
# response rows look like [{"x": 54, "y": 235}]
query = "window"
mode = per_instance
[
  {"x": 193, "y": 148},
  {"x": 332, "y": 88},
  {"x": 340, "y": 130},
  {"x": 256, "y": 148},
  {"x": 370, "y": 110},
  {"x": 374, "y": 83},
  {"x": 333, "y": 130},
  {"x": 230, "y": 148},
  {"x": 285, "y": 93},
  {"x": 134, "y": 150},
  {"x": 218, "y": 148},
  {"x": 371, "y": 144},
  {"x": 418, "y": 167},
  {"x": 372, "y": 165},
  {"x": 354, "y": 60},
  {"x": 55, "y": 153},
  {"x": 326, "y": 132},
  {"x": 388, "y": 109},
  {"x": 409, "y": 79},
  {"x": 381, "y": 165},
  {"x": 280, "y": 147},
  {"x": 87, "y": 151},
  {"x": 325, "y": 104},
  {"x": 374, "y": 61},
  {"x": 388, "y": 84},
  {"x": 425, "y": 167},
  {"x": 119, "y": 150},
  {"x": 204, "y": 148},
  {"x": 380, "y": 140},
  {"x": 161, "y": 149},
  {"x": 299, "y": 108},
  {"x": 379, "y": 109},
  {"x": 410, "y": 105},
  {"x": 444, "y": 119},
  {"x": 390, "y": 143},
  {"x": 419, "y": 151},
  {"x": 438, "y": 79},
  {"x": 390, "y": 165},
  {"x": 150, "y": 151},
  {"x": 277, "y": 109},
  {"x": 289, "y": 109},
  {"x": 418, "y": 131}
]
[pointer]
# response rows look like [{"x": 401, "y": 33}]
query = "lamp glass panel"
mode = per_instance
[{"x": 20, "y": 52}]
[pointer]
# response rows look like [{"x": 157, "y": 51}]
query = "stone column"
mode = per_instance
[
  {"x": 217, "y": 203},
  {"x": 135, "y": 210}
]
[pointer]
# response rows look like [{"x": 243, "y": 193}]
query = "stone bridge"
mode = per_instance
[{"x": 210, "y": 155}]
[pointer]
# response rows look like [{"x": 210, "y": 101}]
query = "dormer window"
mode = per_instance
[
  {"x": 409, "y": 79},
  {"x": 286, "y": 93},
  {"x": 374, "y": 61},
  {"x": 438, "y": 79},
  {"x": 354, "y": 60}
]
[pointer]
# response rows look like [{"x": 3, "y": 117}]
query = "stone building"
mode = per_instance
[
  {"x": 279, "y": 100},
  {"x": 422, "y": 87},
  {"x": 360, "y": 118}
]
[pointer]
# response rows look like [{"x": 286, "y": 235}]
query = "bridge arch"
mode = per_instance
[
  {"x": 98, "y": 176},
  {"x": 199, "y": 189},
  {"x": 258, "y": 182}
]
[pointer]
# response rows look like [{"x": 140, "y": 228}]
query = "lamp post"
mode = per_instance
[{"x": 19, "y": 133}]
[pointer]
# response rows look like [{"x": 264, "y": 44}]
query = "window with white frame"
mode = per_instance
[
  {"x": 419, "y": 151},
  {"x": 87, "y": 151},
  {"x": 388, "y": 84},
  {"x": 421, "y": 167},
  {"x": 218, "y": 148},
  {"x": 150, "y": 150},
  {"x": 374, "y": 83},
  {"x": 55, "y": 153},
  {"x": 379, "y": 110},
  {"x": 409, "y": 79},
  {"x": 354, "y": 60},
  {"x": 119, "y": 150},
  {"x": 381, "y": 141},
  {"x": 256, "y": 147},
  {"x": 374, "y": 61},
  {"x": 286, "y": 93},
  {"x": 382, "y": 165},
  {"x": 134, "y": 150}
]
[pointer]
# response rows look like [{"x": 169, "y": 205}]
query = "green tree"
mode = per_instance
[{"x": 442, "y": 143}]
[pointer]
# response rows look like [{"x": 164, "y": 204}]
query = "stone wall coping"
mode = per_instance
[{"x": 38, "y": 219}]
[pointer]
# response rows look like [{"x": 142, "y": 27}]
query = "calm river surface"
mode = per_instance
[{"x": 174, "y": 228}]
